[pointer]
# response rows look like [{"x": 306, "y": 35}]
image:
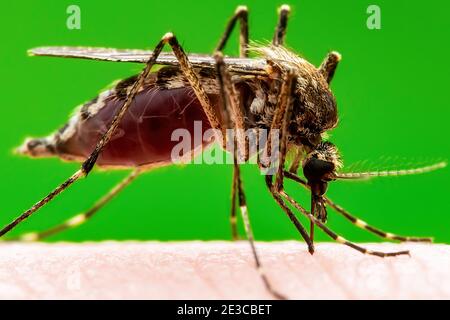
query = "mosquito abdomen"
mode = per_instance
[{"x": 143, "y": 136}]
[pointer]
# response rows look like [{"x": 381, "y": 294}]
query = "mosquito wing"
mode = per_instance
[{"x": 244, "y": 65}]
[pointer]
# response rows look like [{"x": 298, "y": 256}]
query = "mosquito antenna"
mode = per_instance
[{"x": 387, "y": 173}]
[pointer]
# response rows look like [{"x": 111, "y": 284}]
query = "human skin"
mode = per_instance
[{"x": 219, "y": 270}]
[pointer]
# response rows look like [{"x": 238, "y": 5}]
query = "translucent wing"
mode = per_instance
[{"x": 246, "y": 65}]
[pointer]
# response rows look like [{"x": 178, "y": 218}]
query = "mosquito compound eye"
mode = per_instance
[{"x": 317, "y": 170}]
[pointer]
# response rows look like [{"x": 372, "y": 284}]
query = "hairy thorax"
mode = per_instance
[{"x": 314, "y": 108}]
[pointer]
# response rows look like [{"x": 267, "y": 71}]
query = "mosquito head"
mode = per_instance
[{"x": 319, "y": 167}]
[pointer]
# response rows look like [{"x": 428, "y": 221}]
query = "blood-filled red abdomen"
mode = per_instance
[{"x": 144, "y": 134}]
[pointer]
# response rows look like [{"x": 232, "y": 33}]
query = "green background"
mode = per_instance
[{"x": 391, "y": 87}]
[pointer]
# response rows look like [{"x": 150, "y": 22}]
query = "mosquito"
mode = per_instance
[{"x": 130, "y": 125}]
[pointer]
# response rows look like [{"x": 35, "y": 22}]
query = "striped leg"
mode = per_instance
[
  {"x": 334, "y": 235},
  {"x": 293, "y": 168},
  {"x": 233, "y": 217},
  {"x": 80, "y": 218},
  {"x": 279, "y": 122},
  {"x": 290, "y": 214},
  {"x": 296, "y": 161},
  {"x": 231, "y": 98},
  {"x": 329, "y": 65},
  {"x": 280, "y": 30},
  {"x": 358, "y": 222},
  {"x": 236, "y": 120},
  {"x": 42, "y": 202},
  {"x": 241, "y": 15},
  {"x": 250, "y": 237}
]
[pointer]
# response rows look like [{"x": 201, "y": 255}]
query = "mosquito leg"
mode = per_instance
[
  {"x": 329, "y": 65},
  {"x": 233, "y": 217},
  {"x": 296, "y": 161},
  {"x": 240, "y": 14},
  {"x": 358, "y": 222},
  {"x": 290, "y": 214},
  {"x": 232, "y": 102},
  {"x": 90, "y": 162},
  {"x": 42, "y": 202},
  {"x": 226, "y": 116},
  {"x": 249, "y": 233},
  {"x": 235, "y": 118},
  {"x": 279, "y": 122},
  {"x": 363, "y": 225},
  {"x": 280, "y": 30},
  {"x": 335, "y": 236},
  {"x": 230, "y": 98},
  {"x": 192, "y": 77},
  {"x": 80, "y": 218}
]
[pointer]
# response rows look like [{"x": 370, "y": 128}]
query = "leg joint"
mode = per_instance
[{"x": 168, "y": 37}]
